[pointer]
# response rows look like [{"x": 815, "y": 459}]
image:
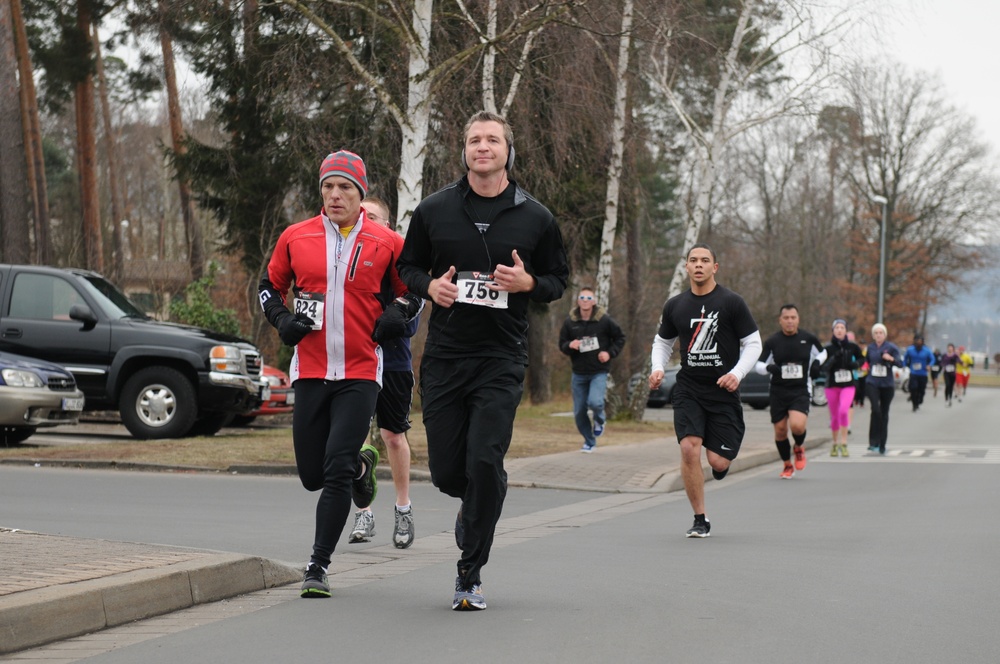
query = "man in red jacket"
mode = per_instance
[{"x": 340, "y": 266}]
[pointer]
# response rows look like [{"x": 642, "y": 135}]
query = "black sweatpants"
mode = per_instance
[
  {"x": 329, "y": 425},
  {"x": 468, "y": 409},
  {"x": 949, "y": 385},
  {"x": 878, "y": 428},
  {"x": 918, "y": 388}
]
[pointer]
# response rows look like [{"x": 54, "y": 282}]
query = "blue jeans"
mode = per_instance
[{"x": 588, "y": 394}]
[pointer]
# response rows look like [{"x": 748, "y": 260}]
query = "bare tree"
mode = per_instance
[
  {"x": 923, "y": 156},
  {"x": 32, "y": 139},
  {"x": 612, "y": 194},
  {"x": 413, "y": 29},
  {"x": 192, "y": 229},
  {"x": 743, "y": 67},
  {"x": 14, "y": 191},
  {"x": 111, "y": 156},
  {"x": 86, "y": 153}
]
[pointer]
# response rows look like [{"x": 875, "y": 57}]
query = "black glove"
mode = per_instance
[
  {"x": 814, "y": 370},
  {"x": 392, "y": 323},
  {"x": 293, "y": 329},
  {"x": 774, "y": 369}
]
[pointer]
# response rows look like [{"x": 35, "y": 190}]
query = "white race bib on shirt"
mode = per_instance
[
  {"x": 473, "y": 288},
  {"x": 842, "y": 376},
  {"x": 312, "y": 305},
  {"x": 791, "y": 371},
  {"x": 879, "y": 371},
  {"x": 588, "y": 344}
]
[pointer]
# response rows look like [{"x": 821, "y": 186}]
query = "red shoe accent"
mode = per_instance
[
  {"x": 800, "y": 457},
  {"x": 787, "y": 473}
]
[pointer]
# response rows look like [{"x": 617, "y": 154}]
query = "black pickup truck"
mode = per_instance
[{"x": 166, "y": 380}]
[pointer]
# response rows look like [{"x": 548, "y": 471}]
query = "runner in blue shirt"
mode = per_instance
[{"x": 919, "y": 359}]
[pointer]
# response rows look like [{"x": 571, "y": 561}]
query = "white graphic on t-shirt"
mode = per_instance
[
  {"x": 705, "y": 328},
  {"x": 703, "y": 349}
]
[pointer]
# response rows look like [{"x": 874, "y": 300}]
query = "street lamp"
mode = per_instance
[{"x": 884, "y": 202}]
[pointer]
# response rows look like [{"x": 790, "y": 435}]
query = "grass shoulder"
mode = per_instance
[{"x": 538, "y": 430}]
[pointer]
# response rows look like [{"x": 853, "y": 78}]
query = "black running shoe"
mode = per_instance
[
  {"x": 719, "y": 474},
  {"x": 364, "y": 488},
  {"x": 700, "y": 528},
  {"x": 315, "y": 583}
]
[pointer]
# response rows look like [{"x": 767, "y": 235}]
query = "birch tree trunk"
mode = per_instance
[
  {"x": 35, "y": 158},
  {"x": 414, "y": 120},
  {"x": 612, "y": 194},
  {"x": 710, "y": 146},
  {"x": 415, "y": 124},
  {"x": 14, "y": 190}
]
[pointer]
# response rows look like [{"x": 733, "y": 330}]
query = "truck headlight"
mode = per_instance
[{"x": 226, "y": 359}]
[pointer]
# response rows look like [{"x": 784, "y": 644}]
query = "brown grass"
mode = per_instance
[
  {"x": 984, "y": 379},
  {"x": 537, "y": 431}
]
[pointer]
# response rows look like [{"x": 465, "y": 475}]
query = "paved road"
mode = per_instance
[{"x": 868, "y": 559}]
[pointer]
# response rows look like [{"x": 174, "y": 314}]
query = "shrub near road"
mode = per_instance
[{"x": 538, "y": 430}]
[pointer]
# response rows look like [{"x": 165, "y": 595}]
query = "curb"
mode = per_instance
[
  {"x": 60, "y": 612},
  {"x": 383, "y": 472}
]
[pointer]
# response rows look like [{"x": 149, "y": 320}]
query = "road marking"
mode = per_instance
[{"x": 924, "y": 454}]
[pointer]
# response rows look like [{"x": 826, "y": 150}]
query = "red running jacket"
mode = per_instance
[{"x": 354, "y": 277}]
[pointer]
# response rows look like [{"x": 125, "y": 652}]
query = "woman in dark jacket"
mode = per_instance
[
  {"x": 883, "y": 355},
  {"x": 592, "y": 339},
  {"x": 843, "y": 358}
]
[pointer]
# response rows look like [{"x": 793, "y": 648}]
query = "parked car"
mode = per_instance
[
  {"x": 279, "y": 400},
  {"x": 755, "y": 390},
  {"x": 901, "y": 376},
  {"x": 165, "y": 380},
  {"x": 661, "y": 396},
  {"x": 817, "y": 391},
  {"x": 33, "y": 394}
]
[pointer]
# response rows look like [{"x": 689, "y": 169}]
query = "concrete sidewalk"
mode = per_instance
[{"x": 111, "y": 583}]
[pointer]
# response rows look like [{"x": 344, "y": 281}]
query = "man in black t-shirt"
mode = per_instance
[
  {"x": 719, "y": 343},
  {"x": 792, "y": 357}
]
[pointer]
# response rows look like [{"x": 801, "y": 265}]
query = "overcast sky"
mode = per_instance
[{"x": 956, "y": 39}]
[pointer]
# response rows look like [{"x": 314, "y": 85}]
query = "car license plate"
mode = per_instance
[
  {"x": 265, "y": 393},
  {"x": 72, "y": 403},
  {"x": 290, "y": 399}
]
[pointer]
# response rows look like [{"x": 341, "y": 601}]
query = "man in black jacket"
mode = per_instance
[
  {"x": 591, "y": 338},
  {"x": 481, "y": 249}
]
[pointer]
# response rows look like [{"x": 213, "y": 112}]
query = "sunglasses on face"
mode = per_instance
[{"x": 586, "y": 297}]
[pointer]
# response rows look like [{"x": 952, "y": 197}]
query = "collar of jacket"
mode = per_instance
[
  {"x": 520, "y": 195},
  {"x": 595, "y": 315}
]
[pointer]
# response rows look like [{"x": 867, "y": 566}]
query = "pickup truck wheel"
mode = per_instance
[
  {"x": 158, "y": 402},
  {"x": 15, "y": 435}
]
